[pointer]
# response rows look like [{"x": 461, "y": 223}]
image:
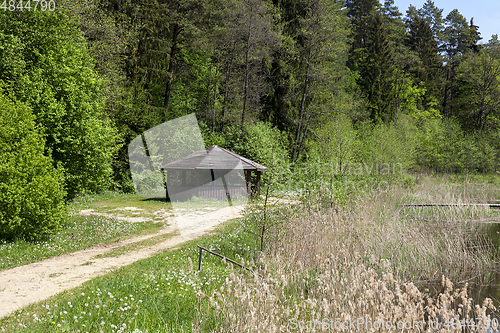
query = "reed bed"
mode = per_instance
[{"x": 356, "y": 267}]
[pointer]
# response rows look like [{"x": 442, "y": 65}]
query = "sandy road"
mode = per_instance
[{"x": 38, "y": 281}]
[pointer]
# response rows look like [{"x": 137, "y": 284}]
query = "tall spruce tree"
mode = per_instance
[
  {"x": 421, "y": 40},
  {"x": 371, "y": 57},
  {"x": 459, "y": 39},
  {"x": 434, "y": 17},
  {"x": 279, "y": 105}
]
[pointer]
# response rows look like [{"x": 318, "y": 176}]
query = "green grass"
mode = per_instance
[
  {"x": 157, "y": 294},
  {"x": 109, "y": 201},
  {"x": 80, "y": 232},
  {"x": 136, "y": 246}
]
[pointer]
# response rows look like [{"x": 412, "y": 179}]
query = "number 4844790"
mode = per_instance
[{"x": 13, "y": 5}]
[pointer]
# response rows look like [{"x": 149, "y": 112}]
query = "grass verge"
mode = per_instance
[
  {"x": 158, "y": 294},
  {"x": 136, "y": 246},
  {"x": 81, "y": 232}
]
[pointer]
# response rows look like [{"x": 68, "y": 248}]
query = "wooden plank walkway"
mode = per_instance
[{"x": 451, "y": 205}]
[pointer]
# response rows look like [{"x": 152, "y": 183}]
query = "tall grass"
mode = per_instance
[
  {"x": 360, "y": 263},
  {"x": 425, "y": 243},
  {"x": 325, "y": 264}
]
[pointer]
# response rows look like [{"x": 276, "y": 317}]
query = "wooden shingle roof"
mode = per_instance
[{"x": 213, "y": 158}]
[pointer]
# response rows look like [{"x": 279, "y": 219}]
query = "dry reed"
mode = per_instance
[{"x": 344, "y": 269}]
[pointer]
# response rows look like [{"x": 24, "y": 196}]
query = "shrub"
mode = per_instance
[
  {"x": 31, "y": 191},
  {"x": 263, "y": 144},
  {"x": 334, "y": 144},
  {"x": 444, "y": 146},
  {"x": 54, "y": 73},
  {"x": 391, "y": 144},
  {"x": 487, "y": 153}
]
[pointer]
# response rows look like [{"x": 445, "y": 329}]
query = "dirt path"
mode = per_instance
[{"x": 35, "y": 282}]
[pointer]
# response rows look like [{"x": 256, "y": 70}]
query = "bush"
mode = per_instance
[
  {"x": 334, "y": 145},
  {"x": 444, "y": 146},
  {"x": 487, "y": 153},
  {"x": 48, "y": 67},
  {"x": 31, "y": 191},
  {"x": 263, "y": 144},
  {"x": 392, "y": 145}
]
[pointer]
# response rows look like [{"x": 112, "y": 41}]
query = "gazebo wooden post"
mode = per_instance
[
  {"x": 258, "y": 182},
  {"x": 165, "y": 175},
  {"x": 183, "y": 177},
  {"x": 197, "y": 182},
  {"x": 249, "y": 182}
]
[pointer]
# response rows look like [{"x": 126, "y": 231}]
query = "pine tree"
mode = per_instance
[{"x": 434, "y": 17}]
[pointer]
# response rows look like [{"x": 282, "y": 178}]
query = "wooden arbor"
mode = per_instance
[{"x": 212, "y": 173}]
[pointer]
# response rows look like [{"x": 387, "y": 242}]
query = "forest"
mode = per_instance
[
  {"x": 291, "y": 84},
  {"x": 379, "y": 128}
]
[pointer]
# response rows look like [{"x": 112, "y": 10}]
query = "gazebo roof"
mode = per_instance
[{"x": 213, "y": 158}]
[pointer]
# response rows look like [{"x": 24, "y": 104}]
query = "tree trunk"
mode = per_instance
[
  {"x": 446, "y": 91},
  {"x": 302, "y": 110},
  {"x": 208, "y": 95},
  {"x": 303, "y": 137},
  {"x": 482, "y": 115},
  {"x": 247, "y": 64},
  {"x": 226, "y": 89},
  {"x": 171, "y": 67},
  {"x": 215, "y": 94}
]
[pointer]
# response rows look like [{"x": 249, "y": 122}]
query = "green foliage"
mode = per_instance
[
  {"x": 487, "y": 160},
  {"x": 371, "y": 55},
  {"x": 331, "y": 155},
  {"x": 410, "y": 95},
  {"x": 413, "y": 102},
  {"x": 309, "y": 73},
  {"x": 478, "y": 100},
  {"x": 109, "y": 34},
  {"x": 211, "y": 138},
  {"x": 346, "y": 160},
  {"x": 31, "y": 190},
  {"x": 392, "y": 144},
  {"x": 428, "y": 70},
  {"x": 431, "y": 141},
  {"x": 458, "y": 35},
  {"x": 55, "y": 75},
  {"x": 334, "y": 145},
  {"x": 444, "y": 147},
  {"x": 409, "y": 182},
  {"x": 266, "y": 145}
]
